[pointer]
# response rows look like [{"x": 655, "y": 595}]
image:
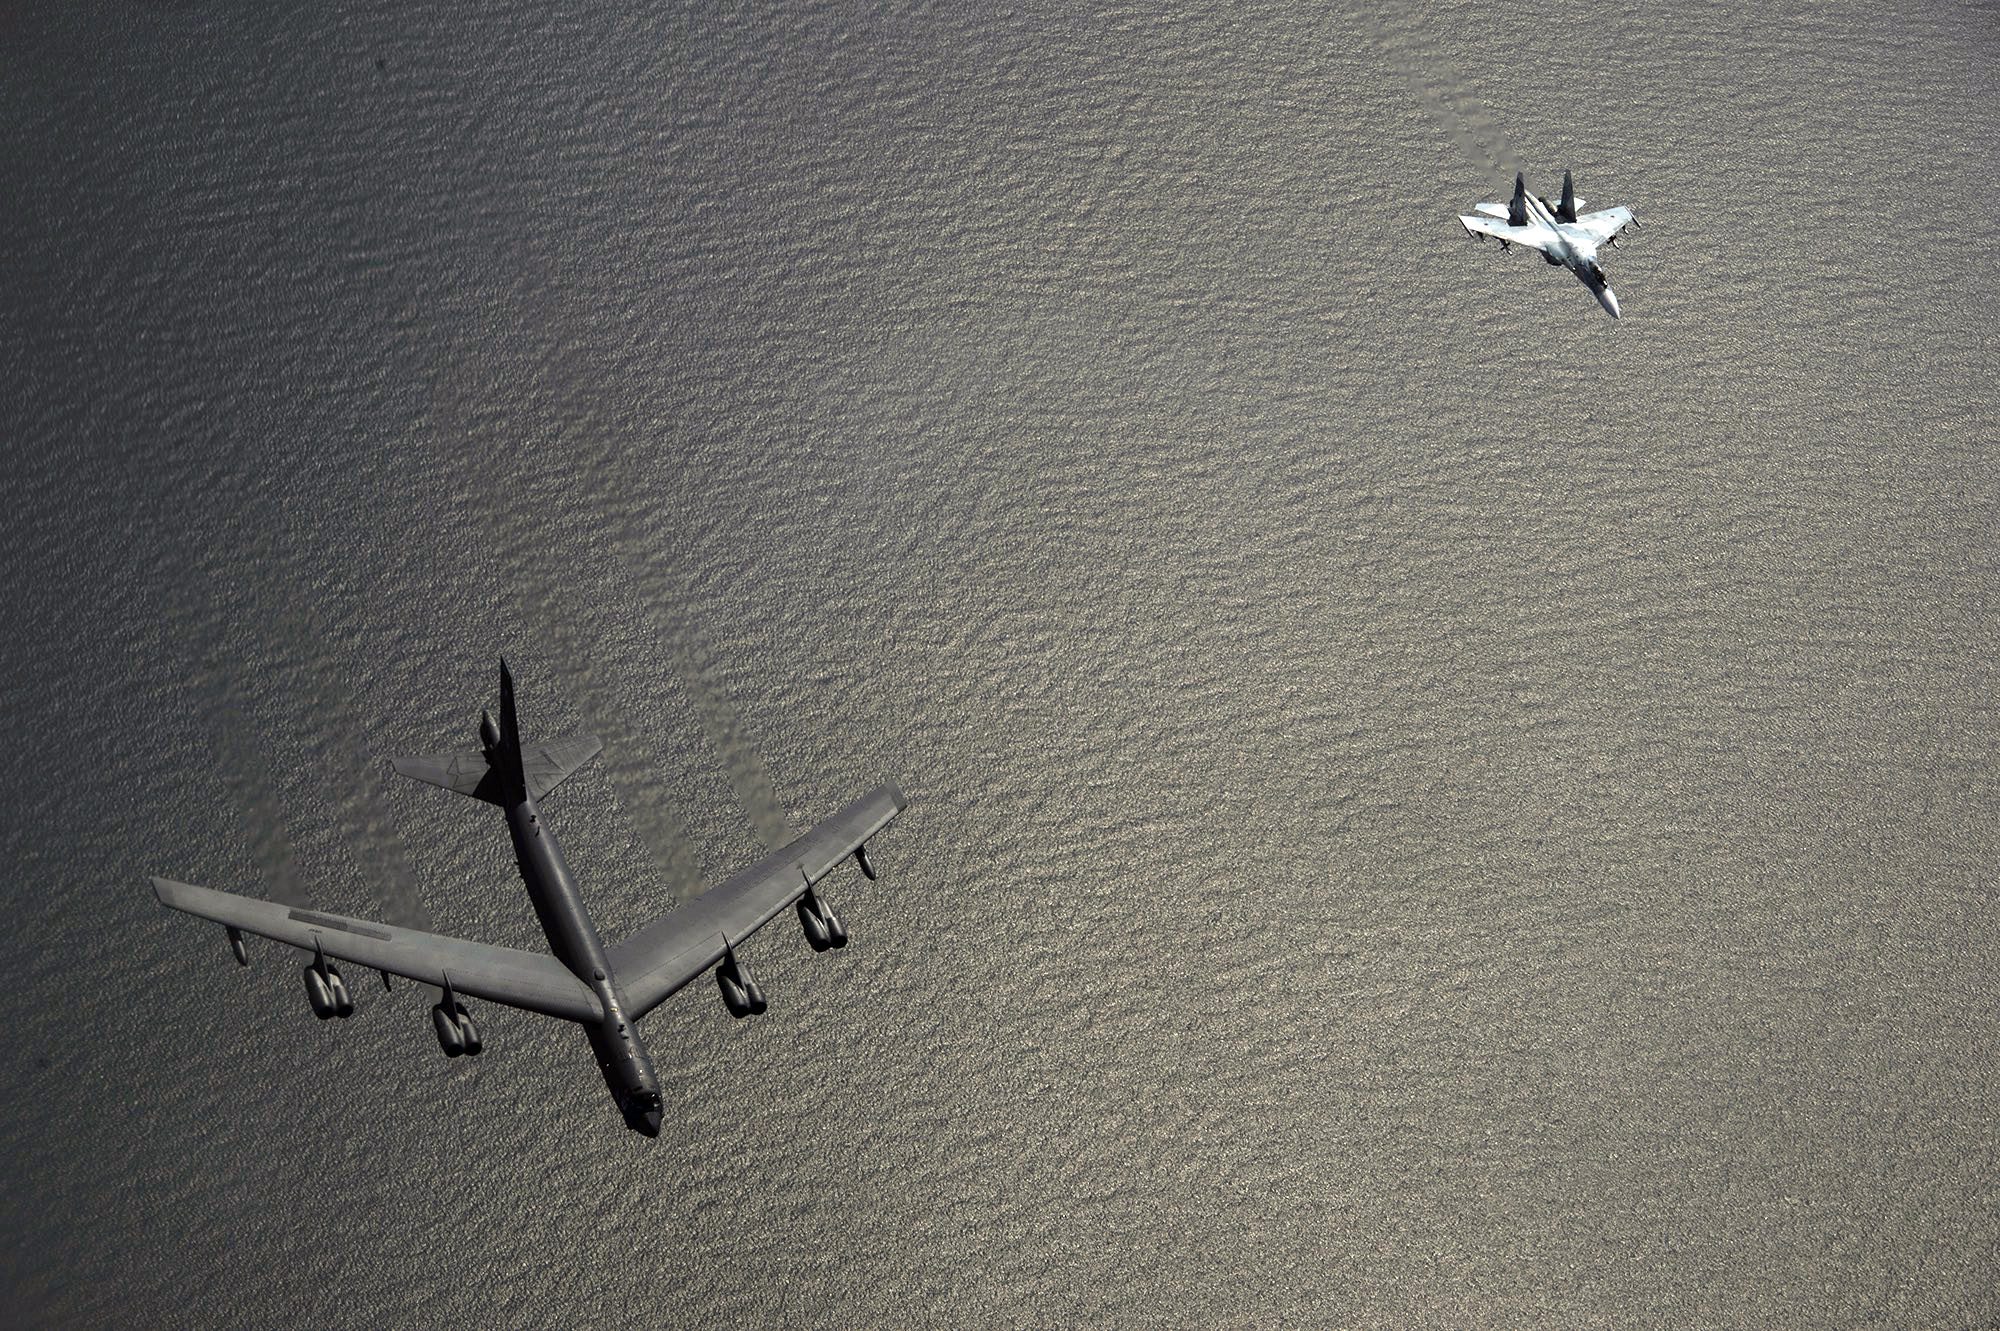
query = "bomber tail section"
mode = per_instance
[{"x": 502, "y": 770}]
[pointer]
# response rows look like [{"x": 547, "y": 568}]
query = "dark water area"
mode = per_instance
[{"x": 1430, "y": 807}]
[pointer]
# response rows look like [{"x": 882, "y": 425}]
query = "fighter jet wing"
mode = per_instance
[
  {"x": 1534, "y": 237},
  {"x": 533, "y": 981},
  {"x": 682, "y": 944},
  {"x": 1602, "y": 226}
]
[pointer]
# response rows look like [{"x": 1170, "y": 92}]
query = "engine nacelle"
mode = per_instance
[
  {"x": 446, "y": 1027},
  {"x": 325, "y": 990},
  {"x": 740, "y": 993},
  {"x": 861, "y": 863},
  {"x": 343, "y": 1001},
  {"x": 319, "y": 994},
  {"x": 456, "y": 1033},
  {"x": 812, "y": 922},
  {"x": 821, "y": 926},
  {"x": 236, "y": 948}
]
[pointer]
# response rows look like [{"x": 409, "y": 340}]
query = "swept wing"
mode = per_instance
[
  {"x": 1602, "y": 226},
  {"x": 533, "y": 981},
  {"x": 682, "y": 944},
  {"x": 1534, "y": 237}
]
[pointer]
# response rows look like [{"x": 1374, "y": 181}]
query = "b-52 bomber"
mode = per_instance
[
  {"x": 605, "y": 990},
  {"x": 1556, "y": 231}
]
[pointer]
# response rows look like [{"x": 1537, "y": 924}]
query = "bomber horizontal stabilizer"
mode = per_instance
[{"x": 544, "y": 766}]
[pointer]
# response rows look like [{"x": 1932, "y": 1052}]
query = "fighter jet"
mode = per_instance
[
  {"x": 1561, "y": 236},
  {"x": 605, "y": 990}
]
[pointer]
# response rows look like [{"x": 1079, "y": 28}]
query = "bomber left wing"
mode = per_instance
[
  {"x": 1534, "y": 237},
  {"x": 680, "y": 945},
  {"x": 533, "y": 981}
]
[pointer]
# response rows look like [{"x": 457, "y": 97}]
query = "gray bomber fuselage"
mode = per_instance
[{"x": 566, "y": 922}]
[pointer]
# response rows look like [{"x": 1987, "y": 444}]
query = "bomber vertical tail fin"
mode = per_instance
[{"x": 506, "y": 756}]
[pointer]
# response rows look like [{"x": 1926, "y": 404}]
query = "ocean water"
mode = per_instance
[{"x": 1429, "y": 807}]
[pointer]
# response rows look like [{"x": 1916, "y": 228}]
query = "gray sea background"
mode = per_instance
[{"x": 1430, "y": 807}]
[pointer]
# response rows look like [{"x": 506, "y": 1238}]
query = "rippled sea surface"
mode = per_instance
[{"x": 1430, "y": 807}]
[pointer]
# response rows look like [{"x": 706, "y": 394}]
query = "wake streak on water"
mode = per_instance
[
  {"x": 1442, "y": 91},
  {"x": 693, "y": 662},
  {"x": 626, "y": 758},
  {"x": 723, "y": 725},
  {"x": 247, "y": 772}
]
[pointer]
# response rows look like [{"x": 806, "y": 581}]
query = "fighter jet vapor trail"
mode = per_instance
[{"x": 1442, "y": 92}]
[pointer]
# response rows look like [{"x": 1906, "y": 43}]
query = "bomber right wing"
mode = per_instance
[
  {"x": 682, "y": 944},
  {"x": 534, "y": 981},
  {"x": 1534, "y": 237}
]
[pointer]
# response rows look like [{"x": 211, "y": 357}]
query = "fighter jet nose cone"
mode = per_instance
[{"x": 1610, "y": 303}]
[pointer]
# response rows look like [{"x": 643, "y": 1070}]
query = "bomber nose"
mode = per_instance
[{"x": 650, "y": 1124}]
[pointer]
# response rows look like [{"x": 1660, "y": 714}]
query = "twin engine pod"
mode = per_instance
[
  {"x": 456, "y": 1033},
  {"x": 822, "y": 927},
  {"x": 327, "y": 992},
  {"x": 740, "y": 993}
]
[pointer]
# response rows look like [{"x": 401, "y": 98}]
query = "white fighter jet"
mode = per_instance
[{"x": 1561, "y": 236}]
